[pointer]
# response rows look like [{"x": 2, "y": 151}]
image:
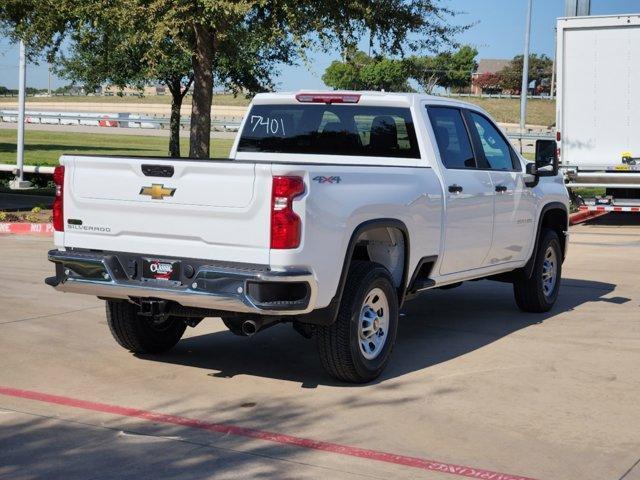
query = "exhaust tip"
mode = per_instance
[{"x": 249, "y": 328}]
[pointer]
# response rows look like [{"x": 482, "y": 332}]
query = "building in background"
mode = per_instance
[{"x": 486, "y": 68}]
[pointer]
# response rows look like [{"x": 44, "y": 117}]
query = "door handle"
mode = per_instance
[
  {"x": 501, "y": 188},
  {"x": 455, "y": 188}
]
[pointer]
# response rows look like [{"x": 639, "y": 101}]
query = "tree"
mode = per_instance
[
  {"x": 387, "y": 74},
  {"x": 489, "y": 82},
  {"x": 447, "y": 69},
  {"x": 540, "y": 68},
  {"x": 211, "y": 32},
  {"x": 362, "y": 72},
  {"x": 100, "y": 54},
  {"x": 347, "y": 75}
]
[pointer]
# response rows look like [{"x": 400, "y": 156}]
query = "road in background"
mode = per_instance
[{"x": 472, "y": 382}]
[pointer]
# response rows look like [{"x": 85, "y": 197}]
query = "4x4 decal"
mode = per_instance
[{"x": 321, "y": 179}]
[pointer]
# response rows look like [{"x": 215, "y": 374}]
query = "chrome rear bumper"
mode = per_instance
[{"x": 213, "y": 287}]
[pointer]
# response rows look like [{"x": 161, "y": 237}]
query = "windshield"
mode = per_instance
[{"x": 330, "y": 130}]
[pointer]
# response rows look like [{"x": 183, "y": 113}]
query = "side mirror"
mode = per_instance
[{"x": 546, "y": 164}]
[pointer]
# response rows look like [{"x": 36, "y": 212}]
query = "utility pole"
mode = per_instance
[
  {"x": 49, "y": 84},
  {"x": 525, "y": 69},
  {"x": 19, "y": 182},
  {"x": 577, "y": 8}
]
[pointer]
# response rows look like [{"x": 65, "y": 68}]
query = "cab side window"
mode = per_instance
[
  {"x": 452, "y": 137},
  {"x": 496, "y": 149}
]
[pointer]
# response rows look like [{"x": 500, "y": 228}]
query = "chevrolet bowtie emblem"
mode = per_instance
[{"x": 157, "y": 191}]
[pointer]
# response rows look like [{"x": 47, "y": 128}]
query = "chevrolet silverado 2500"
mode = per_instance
[{"x": 332, "y": 210}]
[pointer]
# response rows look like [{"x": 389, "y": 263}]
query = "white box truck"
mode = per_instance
[{"x": 598, "y": 108}]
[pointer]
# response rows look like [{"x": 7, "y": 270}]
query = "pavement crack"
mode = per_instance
[
  {"x": 637, "y": 462},
  {"x": 37, "y": 317}
]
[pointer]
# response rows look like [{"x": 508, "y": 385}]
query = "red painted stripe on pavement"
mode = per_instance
[
  {"x": 26, "y": 228},
  {"x": 414, "y": 462}
]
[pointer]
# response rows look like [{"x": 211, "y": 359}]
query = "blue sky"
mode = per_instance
[{"x": 499, "y": 33}]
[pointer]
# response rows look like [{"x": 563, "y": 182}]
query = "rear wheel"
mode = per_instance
[
  {"x": 141, "y": 334},
  {"x": 357, "y": 346},
  {"x": 539, "y": 292}
]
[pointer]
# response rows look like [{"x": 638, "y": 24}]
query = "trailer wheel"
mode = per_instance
[
  {"x": 357, "y": 346},
  {"x": 140, "y": 334},
  {"x": 539, "y": 292}
]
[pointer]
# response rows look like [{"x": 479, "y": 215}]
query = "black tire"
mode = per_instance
[
  {"x": 339, "y": 343},
  {"x": 234, "y": 324},
  {"x": 140, "y": 334},
  {"x": 529, "y": 292}
]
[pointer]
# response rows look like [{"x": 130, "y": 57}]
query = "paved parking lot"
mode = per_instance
[{"x": 474, "y": 386}]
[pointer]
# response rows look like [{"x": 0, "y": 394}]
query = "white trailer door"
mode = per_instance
[{"x": 599, "y": 94}]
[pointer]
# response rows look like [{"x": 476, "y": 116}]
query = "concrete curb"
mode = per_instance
[{"x": 45, "y": 229}]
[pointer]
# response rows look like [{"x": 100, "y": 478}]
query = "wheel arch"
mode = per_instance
[
  {"x": 327, "y": 315},
  {"x": 553, "y": 215}
]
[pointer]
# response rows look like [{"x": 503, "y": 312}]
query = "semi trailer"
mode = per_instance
[{"x": 598, "y": 109}]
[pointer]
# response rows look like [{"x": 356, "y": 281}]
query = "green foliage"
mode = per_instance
[
  {"x": 447, "y": 69},
  {"x": 540, "y": 70},
  {"x": 361, "y": 72},
  {"x": 36, "y": 209},
  {"x": 3, "y": 216}
]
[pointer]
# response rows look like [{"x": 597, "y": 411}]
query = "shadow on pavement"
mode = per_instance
[
  {"x": 41, "y": 446},
  {"x": 616, "y": 219},
  {"x": 436, "y": 327}
]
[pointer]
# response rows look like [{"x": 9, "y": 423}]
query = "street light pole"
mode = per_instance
[
  {"x": 525, "y": 70},
  {"x": 19, "y": 182}
]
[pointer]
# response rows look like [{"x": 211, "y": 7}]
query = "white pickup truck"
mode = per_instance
[{"x": 332, "y": 210}]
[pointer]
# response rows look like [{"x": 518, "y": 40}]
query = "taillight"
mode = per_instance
[
  {"x": 558, "y": 136},
  {"x": 285, "y": 224},
  {"x": 58, "y": 211}
]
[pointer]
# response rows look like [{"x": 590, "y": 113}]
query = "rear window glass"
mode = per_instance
[{"x": 330, "y": 130}]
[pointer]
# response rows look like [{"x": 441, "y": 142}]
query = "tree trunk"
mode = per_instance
[
  {"x": 200, "y": 132},
  {"x": 174, "y": 124}
]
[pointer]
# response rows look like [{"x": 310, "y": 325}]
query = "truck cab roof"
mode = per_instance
[{"x": 364, "y": 98}]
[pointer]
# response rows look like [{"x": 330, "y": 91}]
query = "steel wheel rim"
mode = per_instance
[
  {"x": 549, "y": 271},
  {"x": 373, "y": 324}
]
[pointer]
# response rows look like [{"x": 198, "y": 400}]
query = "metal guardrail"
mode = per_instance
[
  {"x": 531, "y": 136},
  {"x": 111, "y": 120}
]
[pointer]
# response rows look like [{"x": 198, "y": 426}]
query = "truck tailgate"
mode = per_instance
[{"x": 191, "y": 208}]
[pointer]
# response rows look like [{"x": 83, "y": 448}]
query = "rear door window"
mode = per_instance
[
  {"x": 452, "y": 137},
  {"x": 330, "y": 130}
]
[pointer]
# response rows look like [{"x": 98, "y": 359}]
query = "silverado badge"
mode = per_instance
[{"x": 157, "y": 191}]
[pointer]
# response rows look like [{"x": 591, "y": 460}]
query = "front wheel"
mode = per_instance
[
  {"x": 140, "y": 334},
  {"x": 357, "y": 346},
  {"x": 539, "y": 292}
]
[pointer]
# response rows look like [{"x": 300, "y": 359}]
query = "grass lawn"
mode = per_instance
[
  {"x": 44, "y": 148},
  {"x": 507, "y": 110}
]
